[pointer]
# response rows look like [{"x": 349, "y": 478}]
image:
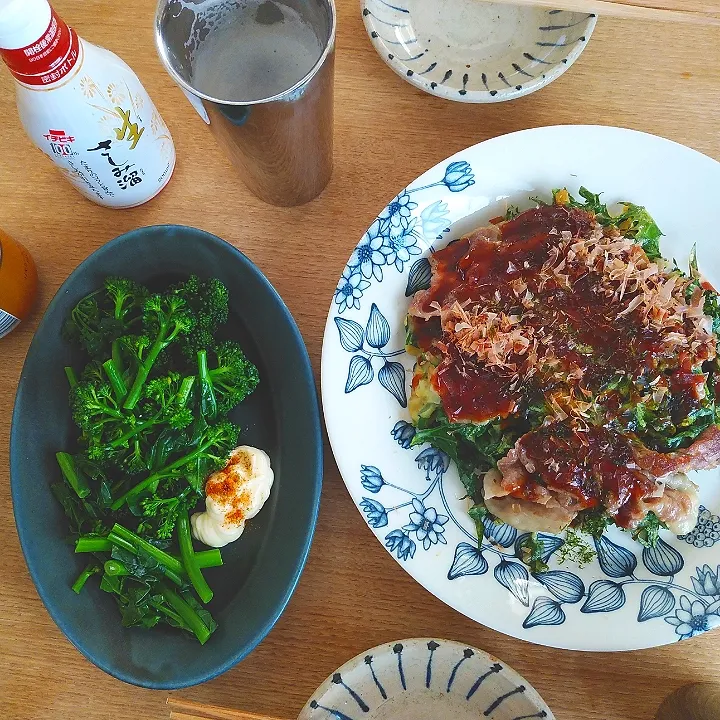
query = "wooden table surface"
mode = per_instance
[{"x": 352, "y": 595}]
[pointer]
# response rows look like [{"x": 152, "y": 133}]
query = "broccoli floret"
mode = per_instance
[
  {"x": 207, "y": 302},
  {"x": 165, "y": 317},
  {"x": 227, "y": 382},
  {"x": 170, "y": 395},
  {"x": 165, "y": 510},
  {"x": 93, "y": 406},
  {"x": 127, "y": 298},
  {"x": 100, "y": 318}
]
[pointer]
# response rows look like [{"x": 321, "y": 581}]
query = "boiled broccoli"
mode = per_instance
[
  {"x": 207, "y": 451},
  {"x": 227, "y": 381},
  {"x": 165, "y": 317},
  {"x": 207, "y": 303},
  {"x": 99, "y": 319},
  {"x": 147, "y": 445}
]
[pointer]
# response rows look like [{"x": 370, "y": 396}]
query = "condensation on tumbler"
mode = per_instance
[{"x": 263, "y": 70}]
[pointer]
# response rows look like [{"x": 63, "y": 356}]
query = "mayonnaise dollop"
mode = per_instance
[{"x": 233, "y": 495}]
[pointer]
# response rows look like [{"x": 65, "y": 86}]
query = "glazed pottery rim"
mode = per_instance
[
  {"x": 305, "y": 368},
  {"x": 416, "y": 642},
  {"x": 475, "y": 96}
]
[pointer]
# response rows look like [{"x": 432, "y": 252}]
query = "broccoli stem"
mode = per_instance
[
  {"x": 208, "y": 402},
  {"x": 79, "y": 584},
  {"x": 187, "y": 553},
  {"x": 185, "y": 389},
  {"x": 132, "y": 433},
  {"x": 188, "y": 615},
  {"x": 71, "y": 376},
  {"x": 127, "y": 545},
  {"x": 122, "y": 543},
  {"x": 73, "y": 478},
  {"x": 116, "y": 381},
  {"x": 115, "y": 567},
  {"x": 160, "y": 474},
  {"x": 163, "y": 558},
  {"x": 116, "y": 355},
  {"x": 142, "y": 374},
  {"x": 164, "y": 338},
  {"x": 96, "y": 543},
  {"x": 93, "y": 543},
  {"x": 181, "y": 399},
  {"x": 209, "y": 558}
]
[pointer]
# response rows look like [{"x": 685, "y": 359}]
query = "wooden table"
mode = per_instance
[{"x": 658, "y": 78}]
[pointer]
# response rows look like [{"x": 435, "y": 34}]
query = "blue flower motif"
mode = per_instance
[
  {"x": 706, "y": 582},
  {"x": 376, "y": 513},
  {"x": 367, "y": 256},
  {"x": 398, "y": 212},
  {"x": 398, "y": 247},
  {"x": 403, "y": 433},
  {"x": 693, "y": 618},
  {"x": 434, "y": 220},
  {"x": 372, "y": 478},
  {"x": 400, "y": 543},
  {"x": 433, "y": 460},
  {"x": 458, "y": 176},
  {"x": 426, "y": 524},
  {"x": 350, "y": 289}
]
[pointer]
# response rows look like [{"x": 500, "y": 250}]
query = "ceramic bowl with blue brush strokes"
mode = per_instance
[{"x": 475, "y": 51}]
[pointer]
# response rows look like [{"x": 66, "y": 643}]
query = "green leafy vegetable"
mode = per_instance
[
  {"x": 189, "y": 559},
  {"x": 512, "y": 212},
  {"x": 147, "y": 442},
  {"x": 648, "y": 531},
  {"x": 478, "y": 514},
  {"x": 472, "y": 447},
  {"x": 531, "y": 553},
  {"x": 593, "y": 523},
  {"x": 634, "y": 221}
]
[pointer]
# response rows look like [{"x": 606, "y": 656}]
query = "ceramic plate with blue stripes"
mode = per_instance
[
  {"x": 425, "y": 679},
  {"x": 626, "y": 596}
]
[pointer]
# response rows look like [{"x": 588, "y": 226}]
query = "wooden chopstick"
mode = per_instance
[
  {"x": 610, "y": 8},
  {"x": 189, "y": 710}
]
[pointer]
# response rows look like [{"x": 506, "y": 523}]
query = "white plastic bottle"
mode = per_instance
[{"x": 84, "y": 108}]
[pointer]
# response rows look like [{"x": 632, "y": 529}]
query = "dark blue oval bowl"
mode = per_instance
[{"x": 281, "y": 416}]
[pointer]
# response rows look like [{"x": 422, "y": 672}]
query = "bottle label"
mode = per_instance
[
  {"x": 102, "y": 129},
  {"x": 8, "y": 323},
  {"x": 49, "y": 59}
]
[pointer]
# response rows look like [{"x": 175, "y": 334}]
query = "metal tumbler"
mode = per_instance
[{"x": 233, "y": 58}]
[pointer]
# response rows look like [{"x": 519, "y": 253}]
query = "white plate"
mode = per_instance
[
  {"x": 411, "y": 497},
  {"x": 472, "y": 51},
  {"x": 425, "y": 679}
]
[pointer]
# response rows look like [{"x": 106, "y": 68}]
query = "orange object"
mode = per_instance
[{"x": 18, "y": 283}]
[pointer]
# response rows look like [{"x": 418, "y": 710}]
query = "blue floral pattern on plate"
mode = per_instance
[
  {"x": 689, "y": 609},
  {"x": 397, "y": 235},
  {"x": 411, "y": 496}
]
